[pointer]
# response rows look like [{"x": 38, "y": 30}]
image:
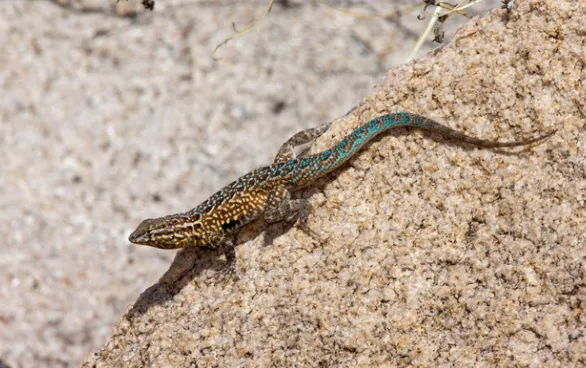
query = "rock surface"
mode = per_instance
[
  {"x": 430, "y": 253},
  {"x": 110, "y": 114}
]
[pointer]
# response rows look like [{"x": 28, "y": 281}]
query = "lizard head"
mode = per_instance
[{"x": 169, "y": 232}]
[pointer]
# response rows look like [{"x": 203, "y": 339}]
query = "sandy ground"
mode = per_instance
[
  {"x": 107, "y": 119},
  {"x": 424, "y": 252}
]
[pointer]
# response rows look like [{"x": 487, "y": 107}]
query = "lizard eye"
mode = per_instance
[{"x": 196, "y": 216}]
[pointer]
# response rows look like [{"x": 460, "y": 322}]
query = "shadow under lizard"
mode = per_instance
[{"x": 266, "y": 191}]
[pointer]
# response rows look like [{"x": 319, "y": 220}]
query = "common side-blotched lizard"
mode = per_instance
[{"x": 266, "y": 191}]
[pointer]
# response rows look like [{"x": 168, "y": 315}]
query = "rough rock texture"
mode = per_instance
[
  {"x": 110, "y": 114},
  {"x": 429, "y": 253}
]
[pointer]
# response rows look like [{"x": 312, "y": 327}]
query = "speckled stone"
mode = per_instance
[{"x": 429, "y": 253}]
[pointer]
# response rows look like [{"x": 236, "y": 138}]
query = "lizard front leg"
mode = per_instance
[{"x": 225, "y": 243}]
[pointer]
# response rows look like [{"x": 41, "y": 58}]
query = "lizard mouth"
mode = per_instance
[
  {"x": 158, "y": 234},
  {"x": 142, "y": 234},
  {"x": 138, "y": 237}
]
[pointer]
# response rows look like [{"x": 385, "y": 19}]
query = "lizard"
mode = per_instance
[{"x": 266, "y": 191}]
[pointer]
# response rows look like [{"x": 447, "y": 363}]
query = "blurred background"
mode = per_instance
[{"x": 111, "y": 113}]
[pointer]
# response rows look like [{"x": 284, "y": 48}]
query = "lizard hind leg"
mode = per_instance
[
  {"x": 280, "y": 207},
  {"x": 287, "y": 152}
]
